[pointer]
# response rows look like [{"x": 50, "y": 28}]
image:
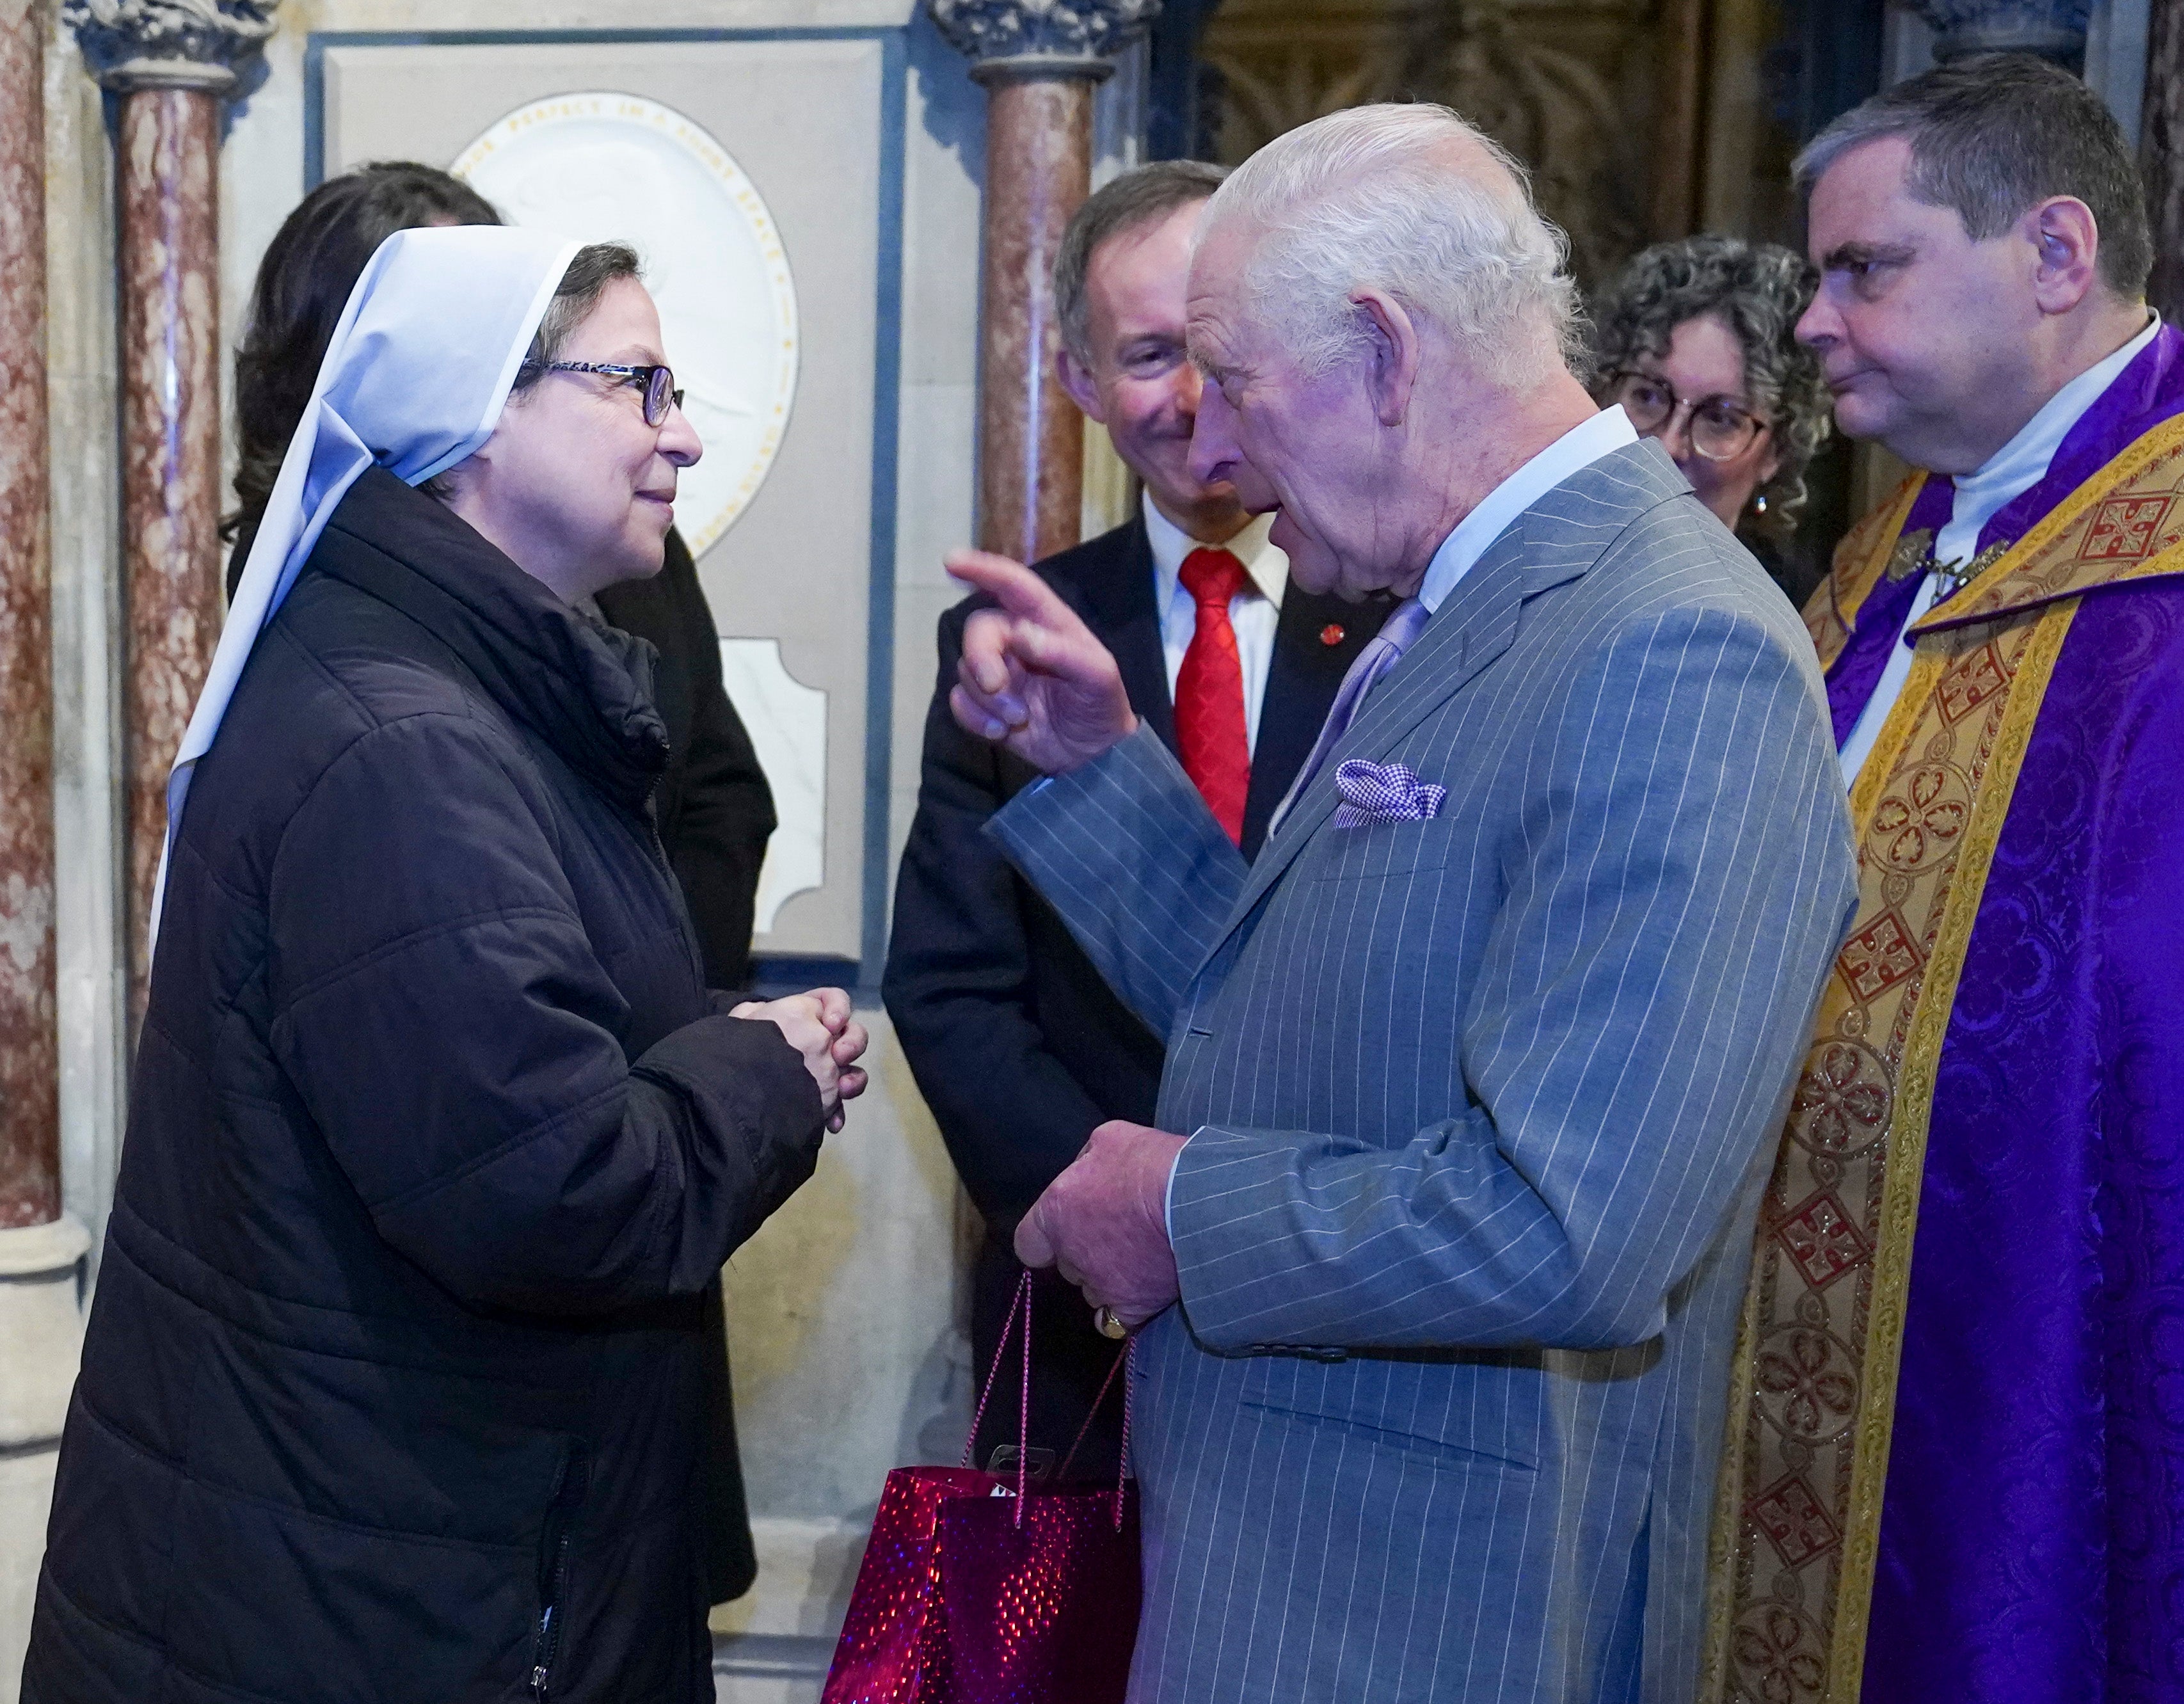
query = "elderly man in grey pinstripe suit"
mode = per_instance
[{"x": 1480, "y": 1063}]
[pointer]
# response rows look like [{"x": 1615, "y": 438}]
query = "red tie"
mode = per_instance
[{"x": 1209, "y": 692}]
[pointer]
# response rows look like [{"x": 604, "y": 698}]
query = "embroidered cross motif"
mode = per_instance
[
  {"x": 1921, "y": 816},
  {"x": 1879, "y": 955},
  {"x": 2124, "y": 528},
  {"x": 1822, "y": 1242},
  {"x": 1794, "y": 1520},
  {"x": 1970, "y": 682}
]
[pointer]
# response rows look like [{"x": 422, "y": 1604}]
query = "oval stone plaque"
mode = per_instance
[{"x": 603, "y": 166}]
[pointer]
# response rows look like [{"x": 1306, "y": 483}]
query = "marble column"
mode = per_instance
[
  {"x": 1039, "y": 63},
  {"x": 30, "y": 1102},
  {"x": 40, "y": 1248},
  {"x": 173, "y": 62}
]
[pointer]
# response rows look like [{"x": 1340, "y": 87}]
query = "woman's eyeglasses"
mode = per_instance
[
  {"x": 1722, "y": 428},
  {"x": 655, "y": 384}
]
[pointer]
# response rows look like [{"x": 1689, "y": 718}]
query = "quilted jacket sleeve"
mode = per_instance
[{"x": 441, "y": 1010}]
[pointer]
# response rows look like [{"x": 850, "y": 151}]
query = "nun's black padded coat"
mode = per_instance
[{"x": 434, "y": 1145}]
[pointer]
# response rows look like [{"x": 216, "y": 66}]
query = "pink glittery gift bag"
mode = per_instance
[{"x": 975, "y": 1591}]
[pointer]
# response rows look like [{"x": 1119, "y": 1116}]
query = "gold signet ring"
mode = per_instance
[{"x": 1104, "y": 1320}]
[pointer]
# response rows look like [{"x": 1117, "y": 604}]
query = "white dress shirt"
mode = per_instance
[
  {"x": 2004, "y": 476},
  {"x": 1580, "y": 447},
  {"x": 1255, "y": 612}
]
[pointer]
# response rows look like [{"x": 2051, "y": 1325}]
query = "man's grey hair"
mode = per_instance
[
  {"x": 1994, "y": 136},
  {"x": 1382, "y": 196},
  {"x": 1759, "y": 291},
  {"x": 1129, "y": 202}
]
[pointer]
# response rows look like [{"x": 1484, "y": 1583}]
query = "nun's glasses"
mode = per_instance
[{"x": 655, "y": 384}]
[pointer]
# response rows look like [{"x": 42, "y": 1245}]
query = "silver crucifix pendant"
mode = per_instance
[{"x": 1954, "y": 576}]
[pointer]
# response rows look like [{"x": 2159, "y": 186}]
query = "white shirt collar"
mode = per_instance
[
  {"x": 1580, "y": 447},
  {"x": 2022, "y": 462},
  {"x": 1267, "y": 564}
]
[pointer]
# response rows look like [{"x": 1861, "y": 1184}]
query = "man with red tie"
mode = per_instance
[{"x": 1017, "y": 1043}]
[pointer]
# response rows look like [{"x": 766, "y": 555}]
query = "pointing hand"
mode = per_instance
[{"x": 1033, "y": 678}]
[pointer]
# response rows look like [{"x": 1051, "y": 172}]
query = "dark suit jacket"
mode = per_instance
[{"x": 1017, "y": 1044}]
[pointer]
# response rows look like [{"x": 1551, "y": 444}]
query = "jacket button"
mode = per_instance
[{"x": 1331, "y": 634}]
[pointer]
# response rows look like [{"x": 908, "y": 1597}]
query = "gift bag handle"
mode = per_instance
[
  {"x": 1021, "y": 1305},
  {"x": 1128, "y": 1353}
]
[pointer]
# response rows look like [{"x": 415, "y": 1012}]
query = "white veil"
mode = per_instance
[{"x": 419, "y": 369}]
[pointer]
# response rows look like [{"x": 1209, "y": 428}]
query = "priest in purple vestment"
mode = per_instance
[{"x": 1956, "y": 1468}]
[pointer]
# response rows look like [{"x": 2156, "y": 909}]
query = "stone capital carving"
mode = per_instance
[
  {"x": 2053, "y": 27},
  {"x": 1035, "y": 37},
  {"x": 169, "y": 44}
]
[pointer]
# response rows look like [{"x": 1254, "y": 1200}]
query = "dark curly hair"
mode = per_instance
[
  {"x": 1759, "y": 290},
  {"x": 302, "y": 285}
]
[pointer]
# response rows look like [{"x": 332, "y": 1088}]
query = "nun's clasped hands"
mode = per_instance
[{"x": 819, "y": 1026}]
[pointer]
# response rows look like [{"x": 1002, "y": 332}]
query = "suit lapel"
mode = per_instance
[
  {"x": 1467, "y": 632},
  {"x": 1554, "y": 541},
  {"x": 1302, "y": 678},
  {"x": 1115, "y": 599}
]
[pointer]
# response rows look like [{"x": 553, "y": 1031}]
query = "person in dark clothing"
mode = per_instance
[
  {"x": 713, "y": 807},
  {"x": 1020, "y": 1048},
  {"x": 393, "y": 1385},
  {"x": 1696, "y": 340}
]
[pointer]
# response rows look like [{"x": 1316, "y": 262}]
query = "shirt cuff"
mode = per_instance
[{"x": 1167, "y": 1195}]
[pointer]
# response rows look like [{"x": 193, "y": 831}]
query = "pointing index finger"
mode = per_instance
[{"x": 1011, "y": 585}]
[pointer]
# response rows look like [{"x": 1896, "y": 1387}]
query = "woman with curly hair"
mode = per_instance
[{"x": 1696, "y": 339}]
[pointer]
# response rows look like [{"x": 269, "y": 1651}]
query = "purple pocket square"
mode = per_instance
[{"x": 1384, "y": 793}]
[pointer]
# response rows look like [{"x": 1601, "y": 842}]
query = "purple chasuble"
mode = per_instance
[
  {"x": 2032, "y": 1533},
  {"x": 2145, "y": 393},
  {"x": 1879, "y": 625}
]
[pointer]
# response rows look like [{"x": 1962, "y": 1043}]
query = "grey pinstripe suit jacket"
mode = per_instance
[{"x": 1482, "y": 1108}]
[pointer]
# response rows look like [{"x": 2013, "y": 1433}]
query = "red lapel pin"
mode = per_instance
[{"x": 1331, "y": 634}]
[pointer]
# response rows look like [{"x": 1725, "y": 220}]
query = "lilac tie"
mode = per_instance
[{"x": 1397, "y": 634}]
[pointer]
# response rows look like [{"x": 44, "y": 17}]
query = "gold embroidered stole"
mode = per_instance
[
  {"x": 1796, "y": 1517},
  {"x": 1861, "y": 560}
]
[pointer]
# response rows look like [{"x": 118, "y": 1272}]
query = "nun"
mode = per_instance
[{"x": 392, "y": 1387}]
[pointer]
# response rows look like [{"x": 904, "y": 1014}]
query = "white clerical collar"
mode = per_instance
[
  {"x": 1580, "y": 447},
  {"x": 1266, "y": 563},
  {"x": 2022, "y": 462}
]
